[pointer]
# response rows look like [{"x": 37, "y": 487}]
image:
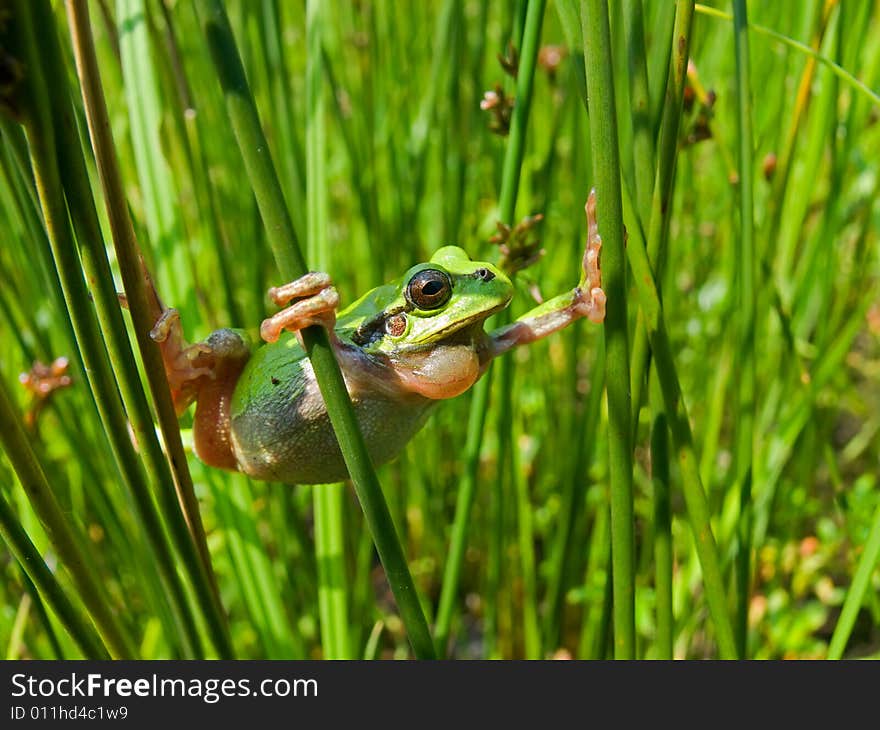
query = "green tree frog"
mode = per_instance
[{"x": 402, "y": 347}]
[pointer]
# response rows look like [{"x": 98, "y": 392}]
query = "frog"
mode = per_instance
[{"x": 402, "y": 348}]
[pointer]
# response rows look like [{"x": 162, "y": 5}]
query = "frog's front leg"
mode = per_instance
[
  {"x": 586, "y": 300},
  {"x": 316, "y": 304}
]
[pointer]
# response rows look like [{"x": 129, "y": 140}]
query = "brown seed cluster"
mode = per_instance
[
  {"x": 42, "y": 381},
  {"x": 518, "y": 249}
]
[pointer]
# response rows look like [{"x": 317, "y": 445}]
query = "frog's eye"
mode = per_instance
[
  {"x": 396, "y": 325},
  {"x": 429, "y": 289}
]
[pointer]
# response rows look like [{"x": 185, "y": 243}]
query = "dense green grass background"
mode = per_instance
[{"x": 410, "y": 163}]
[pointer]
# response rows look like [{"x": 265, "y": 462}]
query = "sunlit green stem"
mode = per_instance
[
  {"x": 661, "y": 201},
  {"x": 745, "y": 312},
  {"x": 327, "y": 499},
  {"x": 513, "y": 158},
  {"x": 640, "y": 99},
  {"x": 463, "y": 503},
  {"x": 39, "y": 125},
  {"x": 662, "y": 537},
  {"x": 606, "y": 171},
  {"x": 67, "y": 544},
  {"x": 20, "y": 545},
  {"x": 176, "y": 492},
  {"x": 679, "y": 427},
  {"x": 861, "y": 584},
  {"x": 282, "y": 238}
]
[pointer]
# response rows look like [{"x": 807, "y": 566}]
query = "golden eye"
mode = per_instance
[
  {"x": 429, "y": 289},
  {"x": 396, "y": 325}
]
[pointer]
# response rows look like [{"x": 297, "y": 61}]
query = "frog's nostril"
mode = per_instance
[{"x": 484, "y": 274}]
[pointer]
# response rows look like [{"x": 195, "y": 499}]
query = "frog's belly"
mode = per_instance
[{"x": 287, "y": 436}]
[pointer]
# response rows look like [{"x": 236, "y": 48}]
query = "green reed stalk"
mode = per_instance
[
  {"x": 597, "y": 589},
  {"x": 662, "y": 537},
  {"x": 646, "y": 262},
  {"x": 516, "y": 141},
  {"x": 464, "y": 500},
  {"x": 606, "y": 172},
  {"x": 66, "y": 542},
  {"x": 192, "y": 132},
  {"x": 496, "y": 538},
  {"x": 283, "y": 241},
  {"x": 41, "y": 138},
  {"x": 526, "y": 539},
  {"x": 640, "y": 99},
  {"x": 158, "y": 185},
  {"x": 332, "y": 580},
  {"x": 45, "y": 584},
  {"x": 858, "y": 590},
  {"x": 813, "y": 52},
  {"x": 288, "y": 139},
  {"x": 513, "y": 158},
  {"x": 570, "y": 509},
  {"x": 327, "y": 499},
  {"x": 255, "y": 565},
  {"x": 679, "y": 426},
  {"x": 533, "y": 13},
  {"x": 39, "y": 607},
  {"x": 746, "y": 306},
  {"x": 643, "y": 180},
  {"x": 417, "y": 144},
  {"x": 175, "y": 487},
  {"x": 661, "y": 201}
]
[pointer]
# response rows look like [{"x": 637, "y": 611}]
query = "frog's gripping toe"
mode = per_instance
[
  {"x": 593, "y": 296},
  {"x": 316, "y": 304}
]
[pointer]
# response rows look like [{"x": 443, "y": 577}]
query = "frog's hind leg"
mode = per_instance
[
  {"x": 316, "y": 303},
  {"x": 186, "y": 366},
  {"x": 206, "y": 372}
]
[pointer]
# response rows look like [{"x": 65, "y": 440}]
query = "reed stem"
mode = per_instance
[
  {"x": 174, "y": 482},
  {"x": 606, "y": 173},
  {"x": 746, "y": 300},
  {"x": 513, "y": 159},
  {"x": 66, "y": 542},
  {"x": 285, "y": 247}
]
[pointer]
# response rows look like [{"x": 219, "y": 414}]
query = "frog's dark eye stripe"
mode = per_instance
[
  {"x": 390, "y": 322},
  {"x": 429, "y": 289}
]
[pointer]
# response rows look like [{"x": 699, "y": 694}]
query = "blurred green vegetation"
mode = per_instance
[{"x": 412, "y": 162}]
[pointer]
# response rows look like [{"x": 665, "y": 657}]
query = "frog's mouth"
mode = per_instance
[{"x": 462, "y": 330}]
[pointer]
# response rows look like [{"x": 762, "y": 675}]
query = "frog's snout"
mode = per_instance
[{"x": 485, "y": 274}]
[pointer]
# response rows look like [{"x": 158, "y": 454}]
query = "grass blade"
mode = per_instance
[{"x": 606, "y": 171}]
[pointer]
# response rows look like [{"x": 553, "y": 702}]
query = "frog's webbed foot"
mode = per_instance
[
  {"x": 316, "y": 303},
  {"x": 185, "y": 364},
  {"x": 586, "y": 300}
]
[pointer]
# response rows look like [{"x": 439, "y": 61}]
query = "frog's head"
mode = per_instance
[
  {"x": 433, "y": 303},
  {"x": 428, "y": 325}
]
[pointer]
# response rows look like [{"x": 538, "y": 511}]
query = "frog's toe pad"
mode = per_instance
[
  {"x": 592, "y": 271},
  {"x": 317, "y": 309},
  {"x": 307, "y": 285},
  {"x": 596, "y": 307},
  {"x": 593, "y": 305}
]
